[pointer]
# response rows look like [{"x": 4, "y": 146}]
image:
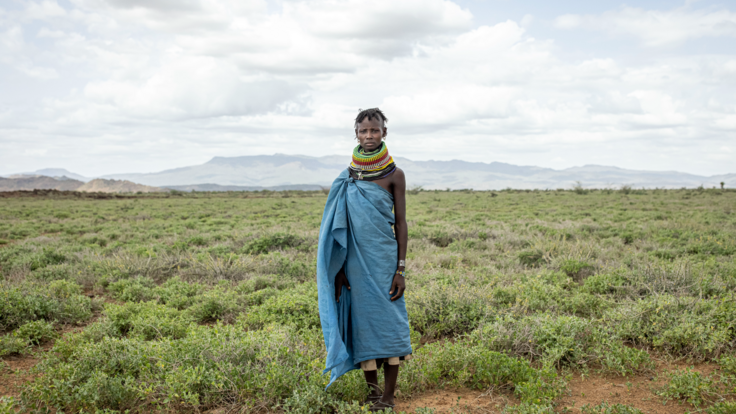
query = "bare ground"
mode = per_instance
[{"x": 636, "y": 391}]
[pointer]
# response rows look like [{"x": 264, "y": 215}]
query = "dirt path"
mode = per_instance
[
  {"x": 15, "y": 372},
  {"x": 457, "y": 401},
  {"x": 637, "y": 391}
]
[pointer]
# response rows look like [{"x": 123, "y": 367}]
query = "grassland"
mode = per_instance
[{"x": 190, "y": 302}]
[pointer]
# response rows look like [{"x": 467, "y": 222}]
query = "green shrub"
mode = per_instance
[
  {"x": 296, "y": 307},
  {"x": 576, "y": 269},
  {"x": 216, "y": 304},
  {"x": 54, "y": 272},
  {"x": 603, "y": 283},
  {"x": 147, "y": 321},
  {"x": 531, "y": 258},
  {"x": 261, "y": 282},
  {"x": 76, "y": 309},
  {"x": 11, "y": 345},
  {"x": 177, "y": 293},
  {"x": 312, "y": 399},
  {"x": 681, "y": 326},
  {"x": 605, "y": 408},
  {"x": 270, "y": 242},
  {"x": 137, "y": 290},
  {"x": 36, "y": 332},
  {"x": 468, "y": 364},
  {"x": 690, "y": 386},
  {"x": 197, "y": 241},
  {"x": 562, "y": 341},
  {"x": 722, "y": 408},
  {"x": 440, "y": 238},
  {"x": 584, "y": 304},
  {"x": 46, "y": 257},
  {"x": 208, "y": 367},
  {"x": 439, "y": 310},
  {"x": 63, "y": 289},
  {"x": 728, "y": 364},
  {"x": 32, "y": 301},
  {"x": 294, "y": 268},
  {"x": 528, "y": 408},
  {"x": 94, "y": 240}
]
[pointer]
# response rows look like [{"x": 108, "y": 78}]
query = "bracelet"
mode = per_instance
[
  {"x": 402, "y": 263},
  {"x": 402, "y": 273}
]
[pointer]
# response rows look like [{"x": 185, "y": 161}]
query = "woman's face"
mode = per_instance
[{"x": 370, "y": 133}]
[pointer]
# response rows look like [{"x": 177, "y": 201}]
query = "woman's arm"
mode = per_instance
[{"x": 400, "y": 228}]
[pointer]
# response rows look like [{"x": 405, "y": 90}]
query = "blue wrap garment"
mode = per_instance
[{"x": 356, "y": 233}]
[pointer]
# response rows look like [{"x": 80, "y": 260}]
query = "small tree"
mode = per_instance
[
  {"x": 722, "y": 184},
  {"x": 578, "y": 188}
]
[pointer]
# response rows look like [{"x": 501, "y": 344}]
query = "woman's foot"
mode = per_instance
[
  {"x": 381, "y": 406},
  {"x": 372, "y": 399}
]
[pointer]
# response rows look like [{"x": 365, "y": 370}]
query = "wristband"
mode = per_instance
[
  {"x": 402, "y": 273},
  {"x": 402, "y": 263}
]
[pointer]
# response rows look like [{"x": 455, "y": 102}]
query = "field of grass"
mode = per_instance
[{"x": 190, "y": 302}]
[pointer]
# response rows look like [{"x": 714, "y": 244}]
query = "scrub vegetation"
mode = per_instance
[{"x": 186, "y": 302}]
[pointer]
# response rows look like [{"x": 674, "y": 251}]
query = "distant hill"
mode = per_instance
[
  {"x": 217, "y": 187},
  {"x": 38, "y": 183},
  {"x": 287, "y": 170},
  {"x": 100, "y": 185},
  {"x": 59, "y": 173}
]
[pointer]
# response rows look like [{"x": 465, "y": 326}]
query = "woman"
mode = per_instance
[{"x": 361, "y": 261}]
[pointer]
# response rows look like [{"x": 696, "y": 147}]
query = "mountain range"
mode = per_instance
[
  {"x": 282, "y": 171},
  {"x": 64, "y": 183}
]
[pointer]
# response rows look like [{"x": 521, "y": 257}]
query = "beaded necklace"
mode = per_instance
[{"x": 372, "y": 165}]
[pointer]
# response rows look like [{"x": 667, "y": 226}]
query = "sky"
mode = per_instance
[{"x": 114, "y": 86}]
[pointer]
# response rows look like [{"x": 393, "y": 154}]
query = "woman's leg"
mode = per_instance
[
  {"x": 370, "y": 371},
  {"x": 390, "y": 375}
]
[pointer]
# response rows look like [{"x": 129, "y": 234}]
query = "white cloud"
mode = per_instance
[
  {"x": 656, "y": 27},
  {"x": 220, "y": 77}
]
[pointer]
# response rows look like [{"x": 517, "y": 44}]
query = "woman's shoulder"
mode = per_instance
[{"x": 398, "y": 175}]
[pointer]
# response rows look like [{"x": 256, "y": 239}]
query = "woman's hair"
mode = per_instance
[{"x": 370, "y": 114}]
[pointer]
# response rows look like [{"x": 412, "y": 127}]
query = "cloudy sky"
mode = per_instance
[{"x": 112, "y": 86}]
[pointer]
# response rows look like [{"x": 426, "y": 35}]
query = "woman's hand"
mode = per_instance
[
  {"x": 340, "y": 281},
  {"x": 397, "y": 286}
]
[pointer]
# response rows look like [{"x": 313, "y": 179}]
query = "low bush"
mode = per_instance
[
  {"x": 727, "y": 364},
  {"x": 603, "y": 284},
  {"x": 207, "y": 367},
  {"x": 177, "y": 293},
  {"x": 217, "y": 304},
  {"x": 54, "y": 272},
  {"x": 58, "y": 301},
  {"x": 466, "y": 363},
  {"x": 147, "y": 321},
  {"x": 576, "y": 269},
  {"x": 12, "y": 345},
  {"x": 441, "y": 309},
  {"x": 690, "y": 386},
  {"x": 562, "y": 341},
  {"x": 681, "y": 326},
  {"x": 606, "y": 408},
  {"x": 295, "y": 307},
  {"x": 531, "y": 258},
  {"x": 722, "y": 408},
  {"x": 271, "y": 242},
  {"x": 36, "y": 332},
  {"x": 136, "y": 290}
]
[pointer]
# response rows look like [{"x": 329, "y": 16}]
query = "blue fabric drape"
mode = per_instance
[{"x": 356, "y": 234}]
